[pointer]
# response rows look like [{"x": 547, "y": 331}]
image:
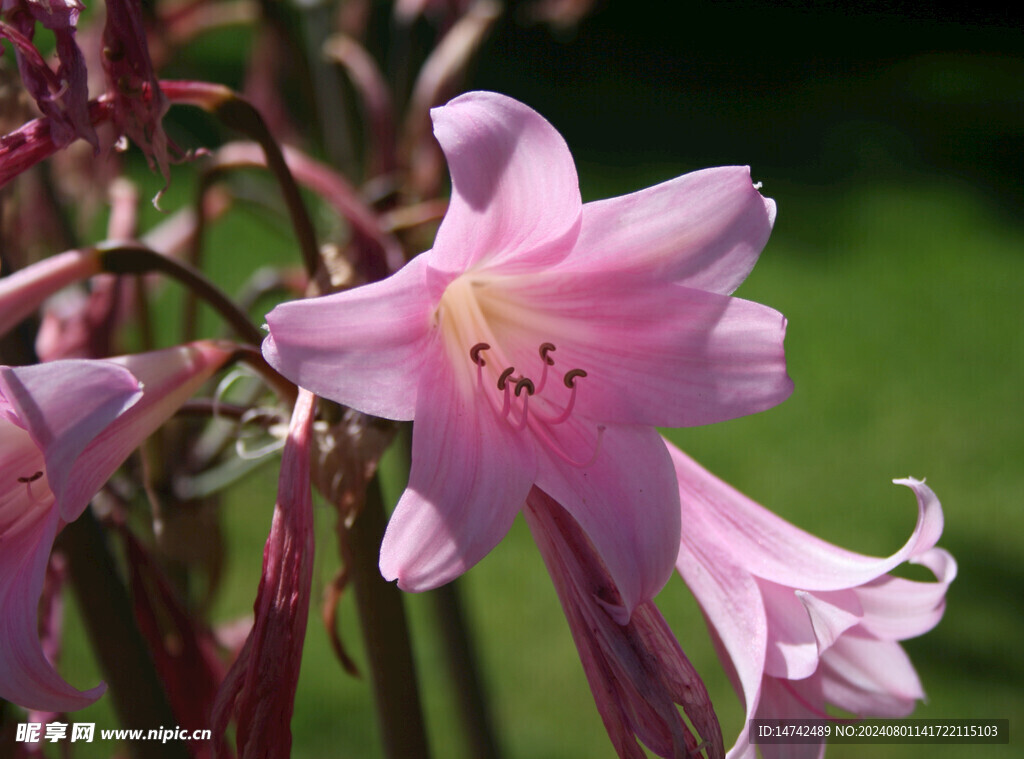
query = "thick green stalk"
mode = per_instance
[
  {"x": 385, "y": 633},
  {"x": 471, "y": 700}
]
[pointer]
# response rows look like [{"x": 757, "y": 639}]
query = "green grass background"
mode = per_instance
[{"x": 898, "y": 258}]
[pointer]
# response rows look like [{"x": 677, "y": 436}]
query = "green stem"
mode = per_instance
[
  {"x": 316, "y": 21},
  {"x": 385, "y": 633},
  {"x": 135, "y": 258},
  {"x": 460, "y": 653},
  {"x": 471, "y": 698},
  {"x": 238, "y": 113},
  {"x": 137, "y": 694},
  {"x": 241, "y": 115},
  {"x": 190, "y": 310}
]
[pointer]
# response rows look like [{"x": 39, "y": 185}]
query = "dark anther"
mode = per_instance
[
  {"x": 527, "y": 383},
  {"x": 570, "y": 377},
  {"x": 33, "y": 478},
  {"x": 546, "y": 348},
  {"x": 474, "y": 353},
  {"x": 504, "y": 376}
]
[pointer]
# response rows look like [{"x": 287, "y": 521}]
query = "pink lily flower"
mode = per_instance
[
  {"x": 65, "y": 427},
  {"x": 798, "y": 622},
  {"x": 637, "y": 671},
  {"x": 540, "y": 341}
]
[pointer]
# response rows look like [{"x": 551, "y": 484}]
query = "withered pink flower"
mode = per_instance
[
  {"x": 260, "y": 688},
  {"x": 637, "y": 671},
  {"x": 134, "y": 102},
  {"x": 65, "y": 427},
  {"x": 800, "y": 623},
  {"x": 540, "y": 341},
  {"x": 62, "y": 95},
  {"x": 138, "y": 102},
  {"x": 33, "y": 142}
]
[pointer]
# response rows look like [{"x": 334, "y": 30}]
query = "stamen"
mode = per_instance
[
  {"x": 570, "y": 382},
  {"x": 524, "y": 383},
  {"x": 475, "y": 357},
  {"x": 526, "y": 406},
  {"x": 474, "y": 353},
  {"x": 27, "y": 482},
  {"x": 570, "y": 377},
  {"x": 545, "y": 348},
  {"x": 506, "y": 406},
  {"x": 504, "y": 377}
]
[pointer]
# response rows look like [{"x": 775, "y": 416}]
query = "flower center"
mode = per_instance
[
  {"x": 522, "y": 386},
  {"x": 488, "y": 323}
]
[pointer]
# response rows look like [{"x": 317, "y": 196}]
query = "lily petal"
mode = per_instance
[
  {"x": 782, "y": 553},
  {"x": 515, "y": 192},
  {"x": 168, "y": 378},
  {"x": 832, "y": 613},
  {"x": 626, "y": 501},
  {"x": 783, "y": 699},
  {"x": 803, "y": 626},
  {"x": 362, "y": 348},
  {"x": 63, "y": 423},
  {"x": 463, "y": 460},
  {"x": 896, "y": 609},
  {"x": 731, "y": 601},
  {"x": 26, "y": 676},
  {"x": 870, "y": 677},
  {"x": 656, "y": 353},
  {"x": 704, "y": 230}
]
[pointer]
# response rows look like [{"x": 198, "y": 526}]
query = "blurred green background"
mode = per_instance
[{"x": 891, "y": 142}]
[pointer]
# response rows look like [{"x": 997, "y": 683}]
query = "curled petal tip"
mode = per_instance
[
  {"x": 940, "y": 562},
  {"x": 910, "y": 482}
]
